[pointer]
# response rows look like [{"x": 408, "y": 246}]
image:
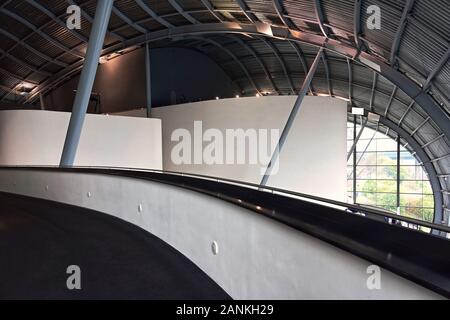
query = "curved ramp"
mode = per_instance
[
  {"x": 39, "y": 239},
  {"x": 271, "y": 245}
]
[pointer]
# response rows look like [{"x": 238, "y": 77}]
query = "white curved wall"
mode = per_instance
[
  {"x": 36, "y": 137},
  {"x": 258, "y": 257},
  {"x": 314, "y": 157}
]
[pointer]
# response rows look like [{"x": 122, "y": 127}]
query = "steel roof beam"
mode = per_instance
[
  {"x": 411, "y": 105},
  {"x": 91, "y": 20},
  {"x": 212, "y": 10},
  {"x": 23, "y": 63},
  {"x": 327, "y": 73},
  {"x": 153, "y": 14},
  {"x": 357, "y": 22},
  {"x": 128, "y": 21},
  {"x": 350, "y": 81},
  {"x": 200, "y": 51},
  {"x": 9, "y": 91},
  {"x": 320, "y": 17},
  {"x": 281, "y": 61},
  {"x": 30, "y": 48},
  {"x": 436, "y": 70},
  {"x": 440, "y": 158},
  {"x": 56, "y": 19},
  {"x": 372, "y": 92},
  {"x": 279, "y": 8},
  {"x": 186, "y": 15},
  {"x": 420, "y": 126},
  {"x": 250, "y": 15},
  {"x": 401, "y": 28},
  {"x": 394, "y": 91},
  {"x": 302, "y": 59},
  {"x": 231, "y": 54},
  {"x": 16, "y": 76},
  {"x": 432, "y": 141},
  {"x": 294, "y": 55},
  {"x": 54, "y": 41},
  {"x": 260, "y": 62}
]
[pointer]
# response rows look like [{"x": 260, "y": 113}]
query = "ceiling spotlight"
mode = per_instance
[{"x": 237, "y": 96}]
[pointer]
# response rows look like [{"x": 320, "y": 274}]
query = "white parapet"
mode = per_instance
[{"x": 36, "y": 137}]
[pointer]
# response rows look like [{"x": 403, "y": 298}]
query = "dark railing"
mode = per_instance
[{"x": 355, "y": 208}]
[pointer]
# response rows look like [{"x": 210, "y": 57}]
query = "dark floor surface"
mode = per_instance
[{"x": 39, "y": 239}]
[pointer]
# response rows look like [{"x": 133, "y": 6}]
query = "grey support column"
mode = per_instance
[
  {"x": 86, "y": 81},
  {"x": 41, "y": 101},
  {"x": 292, "y": 115},
  {"x": 398, "y": 173},
  {"x": 355, "y": 142},
  {"x": 148, "y": 83}
]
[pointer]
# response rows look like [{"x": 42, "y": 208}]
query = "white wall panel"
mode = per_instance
[
  {"x": 35, "y": 137},
  {"x": 313, "y": 160}
]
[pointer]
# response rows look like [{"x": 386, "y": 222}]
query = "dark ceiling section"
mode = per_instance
[{"x": 38, "y": 52}]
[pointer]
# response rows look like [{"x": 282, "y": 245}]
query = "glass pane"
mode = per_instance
[
  {"x": 410, "y": 173},
  {"x": 350, "y": 197},
  {"x": 367, "y": 134},
  {"x": 412, "y": 212},
  {"x": 376, "y": 173},
  {"x": 411, "y": 186},
  {"x": 349, "y": 172},
  {"x": 386, "y": 145},
  {"x": 366, "y": 198},
  {"x": 349, "y": 185},
  {"x": 363, "y": 146},
  {"x": 428, "y": 201},
  {"x": 387, "y": 199},
  {"x": 368, "y": 158},
  {"x": 366, "y": 185},
  {"x": 387, "y": 158},
  {"x": 411, "y": 200},
  {"x": 428, "y": 214},
  {"x": 387, "y": 172},
  {"x": 389, "y": 208},
  {"x": 427, "y": 188},
  {"x": 380, "y": 135},
  {"x": 350, "y": 132},
  {"x": 387, "y": 186},
  {"x": 406, "y": 159},
  {"x": 363, "y": 172}
]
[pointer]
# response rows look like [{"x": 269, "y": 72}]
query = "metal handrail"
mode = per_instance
[{"x": 355, "y": 207}]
